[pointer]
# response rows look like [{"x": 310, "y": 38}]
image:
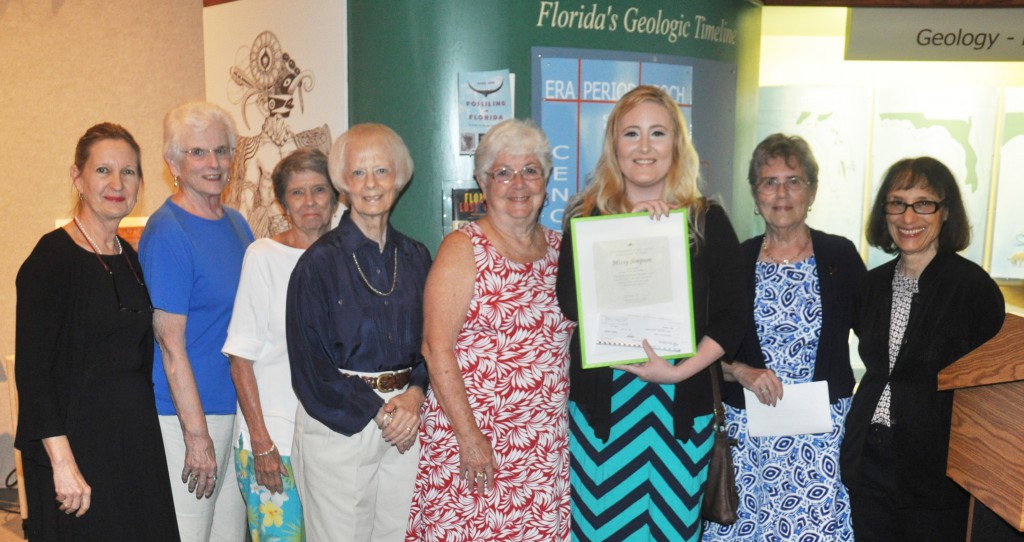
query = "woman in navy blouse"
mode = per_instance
[{"x": 354, "y": 322}]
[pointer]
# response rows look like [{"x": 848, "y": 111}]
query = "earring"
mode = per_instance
[
  {"x": 757, "y": 212},
  {"x": 176, "y": 179},
  {"x": 81, "y": 197}
]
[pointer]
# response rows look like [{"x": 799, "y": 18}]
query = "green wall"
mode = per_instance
[{"x": 405, "y": 56}]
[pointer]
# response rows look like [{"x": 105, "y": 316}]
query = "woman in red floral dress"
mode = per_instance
[{"x": 494, "y": 461}]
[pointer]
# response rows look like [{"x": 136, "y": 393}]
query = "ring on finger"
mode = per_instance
[{"x": 480, "y": 476}]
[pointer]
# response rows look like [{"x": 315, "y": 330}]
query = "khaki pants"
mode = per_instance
[
  {"x": 220, "y": 518},
  {"x": 353, "y": 489}
]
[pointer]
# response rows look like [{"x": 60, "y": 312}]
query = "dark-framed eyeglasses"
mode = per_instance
[
  {"x": 504, "y": 175},
  {"x": 198, "y": 153},
  {"x": 117, "y": 294},
  {"x": 793, "y": 183},
  {"x": 922, "y": 207}
]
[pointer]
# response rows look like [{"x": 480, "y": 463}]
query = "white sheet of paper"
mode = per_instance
[{"x": 803, "y": 409}]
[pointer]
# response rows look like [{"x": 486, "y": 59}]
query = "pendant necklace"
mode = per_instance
[
  {"x": 784, "y": 261},
  {"x": 394, "y": 276}
]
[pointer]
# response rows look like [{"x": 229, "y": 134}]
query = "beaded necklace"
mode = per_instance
[
  {"x": 95, "y": 247},
  {"x": 120, "y": 250}
]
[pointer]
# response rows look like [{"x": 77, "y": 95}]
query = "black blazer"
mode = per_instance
[
  {"x": 957, "y": 308},
  {"x": 840, "y": 271}
]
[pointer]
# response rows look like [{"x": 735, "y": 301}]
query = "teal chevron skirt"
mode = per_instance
[{"x": 643, "y": 483}]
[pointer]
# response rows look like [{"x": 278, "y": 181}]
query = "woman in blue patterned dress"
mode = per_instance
[
  {"x": 801, "y": 286},
  {"x": 639, "y": 437}
]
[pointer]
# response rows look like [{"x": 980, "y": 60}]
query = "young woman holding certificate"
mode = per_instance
[{"x": 649, "y": 164}]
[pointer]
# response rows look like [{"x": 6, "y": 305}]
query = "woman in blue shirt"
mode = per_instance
[{"x": 191, "y": 253}]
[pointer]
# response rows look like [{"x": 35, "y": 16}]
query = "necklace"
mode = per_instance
[
  {"x": 135, "y": 274},
  {"x": 784, "y": 261},
  {"x": 95, "y": 247},
  {"x": 394, "y": 276}
]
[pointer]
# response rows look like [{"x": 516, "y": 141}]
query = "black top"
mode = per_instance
[
  {"x": 719, "y": 313},
  {"x": 335, "y": 321},
  {"x": 957, "y": 308},
  {"x": 840, "y": 271},
  {"x": 84, "y": 370}
]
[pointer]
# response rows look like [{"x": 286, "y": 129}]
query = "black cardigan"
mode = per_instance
[
  {"x": 718, "y": 313},
  {"x": 840, "y": 271},
  {"x": 50, "y": 341},
  {"x": 957, "y": 308}
]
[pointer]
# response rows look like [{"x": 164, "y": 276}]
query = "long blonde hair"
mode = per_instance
[{"x": 606, "y": 193}]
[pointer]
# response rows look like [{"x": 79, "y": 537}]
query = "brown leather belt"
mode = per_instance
[{"x": 388, "y": 382}]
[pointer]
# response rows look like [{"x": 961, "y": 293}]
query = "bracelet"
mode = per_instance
[{"x": 268, "y": 452}]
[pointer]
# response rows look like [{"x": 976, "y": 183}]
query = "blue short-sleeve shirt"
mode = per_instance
[{"x": 191, "y": 266}]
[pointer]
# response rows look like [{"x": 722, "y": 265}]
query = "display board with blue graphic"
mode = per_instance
[{"x": 576, "y": 95}]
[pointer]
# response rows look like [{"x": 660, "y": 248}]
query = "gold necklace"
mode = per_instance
[
  {"x": 394, "y": 276},
  {"x": 784, "y": 261}
]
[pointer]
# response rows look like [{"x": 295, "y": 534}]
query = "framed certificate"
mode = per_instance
[{"x": 633, "y": 283}]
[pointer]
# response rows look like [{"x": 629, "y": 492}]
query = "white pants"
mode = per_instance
[
  {"x": 353, "y": 489},
  {"x": 221, "y": 517}
]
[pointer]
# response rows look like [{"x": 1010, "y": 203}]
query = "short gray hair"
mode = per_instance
[
  {"x": 513, "y": 137},
  {"x": 299, "y": 160},
  {"x": 189, "y": 117},
  {"x": 399, "y": 152}
]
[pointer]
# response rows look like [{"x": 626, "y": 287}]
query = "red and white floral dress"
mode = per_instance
[{"x": 513, "y": 353}]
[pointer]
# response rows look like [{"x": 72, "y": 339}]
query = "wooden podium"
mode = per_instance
[{"x": 986, "y": 443}]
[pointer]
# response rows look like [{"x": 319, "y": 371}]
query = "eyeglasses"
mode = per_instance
[
  {"x": 923, "y": 207},
  {"x": 197, "y": 153},
  {"x": 117, "y": 294},
  {"x": 790, "y": 184},
  {"x": 506, "y": 174}
]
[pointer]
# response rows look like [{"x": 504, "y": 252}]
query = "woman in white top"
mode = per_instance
[{"x": 258, "y": 350}]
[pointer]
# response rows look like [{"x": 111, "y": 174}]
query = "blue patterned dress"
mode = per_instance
[{"x": 790, "y": 489}]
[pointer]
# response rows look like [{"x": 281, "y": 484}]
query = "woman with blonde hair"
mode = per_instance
[{"x": 649, "y": 164}]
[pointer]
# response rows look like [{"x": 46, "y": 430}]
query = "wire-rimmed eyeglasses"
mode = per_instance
[
  {"x": 504, "y": 175},
  {"x": 198, "y": 153},
  {"x": 793, "y": 183}
]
